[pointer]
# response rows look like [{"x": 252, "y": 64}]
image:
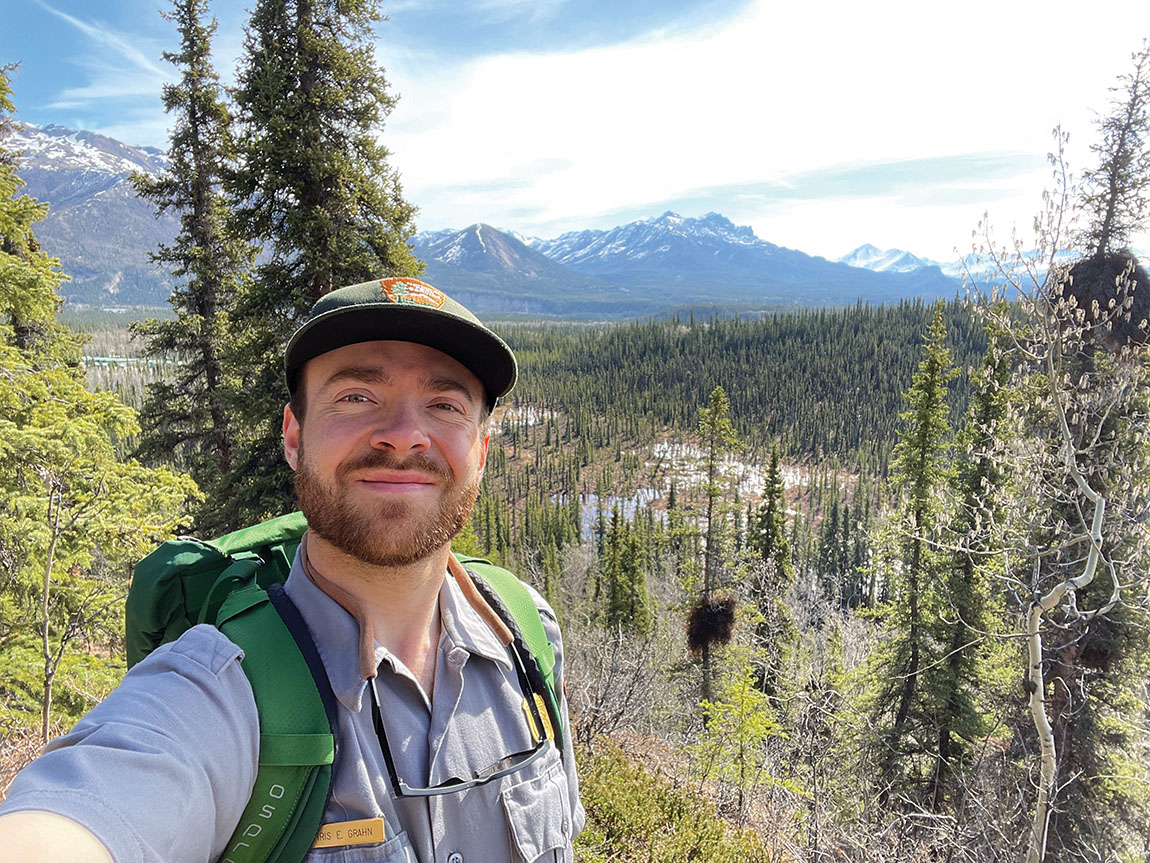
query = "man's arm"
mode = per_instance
[
  {"x": 158, "y": 772},
  {"x": 43, "y": 837}
]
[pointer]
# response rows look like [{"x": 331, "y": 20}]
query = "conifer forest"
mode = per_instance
[{"x": 860, "y": 584}]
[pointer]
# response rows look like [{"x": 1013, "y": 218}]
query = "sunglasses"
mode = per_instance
[{"x": 538, "y": 729}]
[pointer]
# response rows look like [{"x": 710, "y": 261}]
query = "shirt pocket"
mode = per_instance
[
  {"x": 538, "y": 817},
  {"x": 397, "y": 849}
]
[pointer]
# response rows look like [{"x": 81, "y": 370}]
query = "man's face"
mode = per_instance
[{"x": 390, "y": 454}]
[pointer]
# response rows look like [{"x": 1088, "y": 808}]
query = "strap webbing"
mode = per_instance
[
  {"x": 297, "y": 747},
  {"x": 515, "y": 599}
]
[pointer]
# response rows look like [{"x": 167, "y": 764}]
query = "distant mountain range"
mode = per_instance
[
  {"x": 886, "y": 260},
  {"x": 103, "y": 235},
  {"x": 101, "y": 232},
  {"x": 651, "y": 266}
]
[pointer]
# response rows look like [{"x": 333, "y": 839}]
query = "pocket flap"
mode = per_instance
[{"x": 537, "y": 817}]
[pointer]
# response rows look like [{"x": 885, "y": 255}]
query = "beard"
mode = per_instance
[{"x": 387, "y": 533}]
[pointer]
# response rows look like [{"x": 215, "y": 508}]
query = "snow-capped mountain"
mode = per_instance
[
  {"x": 60, "y": 149},
  {"x": 981, "y": 267},
  {"x": 101, "y": 232},
  {"x": 1027, "y": 266},
  {"x": 669, "y": 240},
  {"x": 710, "y": 259},
  {"x": 650, "y": 265},
  {"x": 104, "y": 234},
  {"x": 494, "y": 271},
  {"x": 483, "y": 249},
  {"x": 871, "y": 257}
]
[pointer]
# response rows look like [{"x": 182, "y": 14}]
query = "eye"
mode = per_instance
[
  {"x": 353, "y": 398},
  {"x": 447, "y": 406}
]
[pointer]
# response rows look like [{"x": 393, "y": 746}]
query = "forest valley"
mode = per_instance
[{"x": 859, "y": 584}]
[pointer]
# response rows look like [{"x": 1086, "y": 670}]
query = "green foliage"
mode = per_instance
[
  {"x": 1116, "y": 193},
  {"x": 72, "y": 514},
  {"x": 623, "y": 566},
  {"x": 971, "y": 600},
  {"x": 634, "y": 816},
  {"x": 907, "y": 692},
  {"x": 822, "y": 382},
  {"x": 187, "y": 418},
  {"x": 767, "y": 529},
  {"x": 316, "y": 195},
  {"x": 737, "y": 725},
  {"x": 719, "y": 439}
]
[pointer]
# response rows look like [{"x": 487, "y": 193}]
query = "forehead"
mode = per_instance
[{"x": 398, "y": 363}]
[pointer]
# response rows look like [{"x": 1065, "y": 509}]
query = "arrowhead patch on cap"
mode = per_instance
[{"x": 413, "y": 292}]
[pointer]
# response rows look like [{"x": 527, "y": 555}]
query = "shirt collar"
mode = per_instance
[
  {"x": 463, "y": 627},
  {"x": 339, "y": 641}
]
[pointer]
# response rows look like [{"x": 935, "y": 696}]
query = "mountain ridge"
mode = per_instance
[{"x": 104, "y": 235}]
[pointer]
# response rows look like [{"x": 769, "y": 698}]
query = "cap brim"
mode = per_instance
[{"x": 479, "y": 350}]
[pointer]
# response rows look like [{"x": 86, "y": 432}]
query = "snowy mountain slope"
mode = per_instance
[
  {"x": 96, "y": 225},
  {"x": 711, "y": 259},
  {"x": 103, "y": 235},
  {"x": 494, "y": 271},
  {"x": 879, "y": 260}
]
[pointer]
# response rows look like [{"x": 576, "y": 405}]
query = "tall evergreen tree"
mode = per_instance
[
  {"x": 1116, "y": 192},
  {"x": 188, "y": 418},
  {"x": 315, "y": 193},
  {"x": 719, "y": 438},
  {"x": 904, "y": 705},
  {"x": 768, "y": 525},
  {"x": 775, "y": 630},
  {"x": 72, "y": 513},
  {"x": 625, "y": 560},
  {"x": 968, "y": 605}
]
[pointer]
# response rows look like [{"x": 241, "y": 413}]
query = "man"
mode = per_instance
[{"x": 392, "y": 385}]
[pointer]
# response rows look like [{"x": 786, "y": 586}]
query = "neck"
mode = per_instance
[{"x": 398, "y": 607}]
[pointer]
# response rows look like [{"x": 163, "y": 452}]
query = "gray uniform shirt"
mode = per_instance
[{"x": 162, "y": 768}]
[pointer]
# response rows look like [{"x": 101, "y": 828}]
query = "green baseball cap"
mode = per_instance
[{"x": 405, "y": 310}]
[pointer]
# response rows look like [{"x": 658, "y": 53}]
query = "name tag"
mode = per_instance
[{"x": 339, "y": 833}]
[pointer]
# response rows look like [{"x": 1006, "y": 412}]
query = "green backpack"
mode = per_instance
[{"x": 235, "y": 583}]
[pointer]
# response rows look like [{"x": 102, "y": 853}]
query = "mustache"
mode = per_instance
[{"x": 384, "y": 460}]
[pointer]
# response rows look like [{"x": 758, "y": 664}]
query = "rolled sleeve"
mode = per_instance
[{"x": 162, "y": 768}]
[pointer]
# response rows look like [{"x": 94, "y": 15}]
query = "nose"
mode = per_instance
[{"x": 399, "y": 429}]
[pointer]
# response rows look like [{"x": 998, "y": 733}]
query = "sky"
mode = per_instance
[{"x": 822, "y": 125}]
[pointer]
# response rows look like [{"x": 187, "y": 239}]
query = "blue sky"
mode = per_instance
[{"x": 823, "y": 126}]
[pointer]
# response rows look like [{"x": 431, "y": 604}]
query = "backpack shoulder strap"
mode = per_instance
[
  {"x": 296, "y": 713},
  {"x": 517, "y": 602}
]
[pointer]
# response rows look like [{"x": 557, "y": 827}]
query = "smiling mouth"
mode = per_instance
[{"x": 397, "y": 483}]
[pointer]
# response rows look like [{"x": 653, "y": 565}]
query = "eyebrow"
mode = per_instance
[
  {"x": 375, "y": 375},
  {"x": 358, "y": 374}
]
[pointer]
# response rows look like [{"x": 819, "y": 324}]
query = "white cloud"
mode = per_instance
[
  {"x": 536, "y": 10},
  {"x": 779, "y": 90},
  {"x": 115, "y": 64}
]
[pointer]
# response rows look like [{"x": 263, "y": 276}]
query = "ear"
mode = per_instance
[
  {"x": 291, "y": 438},
  {"x": 483, "y": 454}
]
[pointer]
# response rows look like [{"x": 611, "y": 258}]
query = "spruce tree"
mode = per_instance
[
  {"x": 768, "y": 525},
  {"x": 1116, "y": 192},
  {"x": 317, "y": 196},
  {"x": 904, "y": 703},
  {"x": 774, "y": 631},
  {"x": 188, "y": 419},
  {"x": 73, "y": 514},
  {"x": 719, "y": 438},
  {"x": 968, "y": 598}
]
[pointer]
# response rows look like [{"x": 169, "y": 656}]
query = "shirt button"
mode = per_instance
[{"x": 455, "y": 857}]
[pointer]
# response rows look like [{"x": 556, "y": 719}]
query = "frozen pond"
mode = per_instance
[{"x": 628, "y": 506}]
